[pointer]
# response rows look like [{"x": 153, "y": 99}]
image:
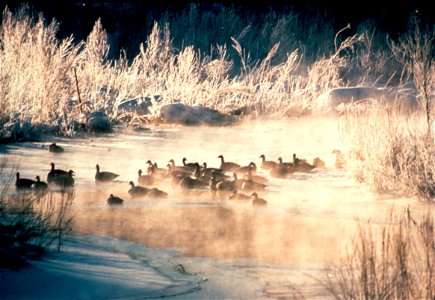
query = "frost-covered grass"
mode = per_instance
[{"x": 56, "y": 82}]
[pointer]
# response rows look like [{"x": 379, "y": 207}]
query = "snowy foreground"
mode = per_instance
[{"x": 92, "y": 267}]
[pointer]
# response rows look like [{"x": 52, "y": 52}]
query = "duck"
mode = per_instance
[
  {"x": 179, "y": 168},
  {"x": 55, "y": 173},
  {"x": 256, "y": 178},
  {"x": 65, "y": 180},
  {"x": 257, "y": 201},
  {"x": 284, "y": 164},
  {"x": 145, "y": 179},
  {"x": 227, "y": 166},
  {"x": 267, "y": 164},
  {"x": 114, "y": 200},
  {"x": 135, "y": 191},
  {"x": 23, "y": 183},
  {"x": 189, "y": 166},
  {"x": 252, "y": 186},
  {"x": 156, "y": 193},
  {"x": 252, "y": 167},
  {"x": 236, "y": 196},
  {"x": 301, "y": 165},
  {"x": 188, "y": 183},
  {"x": 281, "y": 171},
  {"x": 104, "y": 175},
  {"x": 207, "y": 173},
  {"x": 158, "y": 173},
  {"x": 55, "y": 148},
  {"x": 176, "y": 171},
  {"x": 221, "y": 188},
  {"x": 39, "y": 185}
]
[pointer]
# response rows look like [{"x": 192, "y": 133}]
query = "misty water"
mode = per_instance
[{"x": 308, "y": 222}]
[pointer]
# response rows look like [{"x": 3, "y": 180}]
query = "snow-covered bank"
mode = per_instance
[
  {"x": 97, "y": 268},
  {"x": 91, "y": 267}
]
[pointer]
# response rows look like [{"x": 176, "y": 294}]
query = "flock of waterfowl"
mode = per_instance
[{"x": 231, "y": 181}]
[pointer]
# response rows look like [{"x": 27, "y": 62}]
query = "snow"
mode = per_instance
[
  {"x": 92, "y": 267},
  {"x": 95, "y": 268}
]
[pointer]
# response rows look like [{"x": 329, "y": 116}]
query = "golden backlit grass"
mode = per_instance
[
  {"x": 392, "y": 261},
  {"x": 41, "y": 75}
]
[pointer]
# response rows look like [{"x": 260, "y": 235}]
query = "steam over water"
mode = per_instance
[{"x": 308, "y": 220}]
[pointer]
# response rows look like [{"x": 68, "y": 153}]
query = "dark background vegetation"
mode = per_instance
[{"x": 128, "y": 23}]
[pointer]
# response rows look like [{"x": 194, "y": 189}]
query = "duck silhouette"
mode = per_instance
[
  {"x": 227, "y": 166},
  {"x": 55, "y": 173},
  {"x": 136, "y": 191},
  {"x": 145, "y": 179},
  {"x": 257, "y": 201},
  {"x": 104, "y": 176},
  {"x": 55, "y": 148},
  {"x": 64, "y": 180},
  {"x": 39, "y": 185},
  {"x": 156, "y": 193},
  {"x": 236, "y": 196},
  {"x": 114, "y": 200},
  {"x": 267, "y": 164},
  {"x": 23, "y": 183}
]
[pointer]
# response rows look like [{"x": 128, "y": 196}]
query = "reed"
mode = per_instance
[{"x": 391, "y": 261}]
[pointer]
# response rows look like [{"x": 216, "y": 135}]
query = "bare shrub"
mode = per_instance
[
  {"x": 415, "y": 51},
  {"x": 390, "y": 150},
  {"x": 391, "y": 261},
  {"x": 35, "y": 217}
]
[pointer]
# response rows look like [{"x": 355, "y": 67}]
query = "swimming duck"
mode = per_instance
[
  {"x": 179, "y": 168},
  {"x": 252, "y": 186},
  {"x": 227, "y": 185},
  {"x": 257, "y": 201},
  {"x": 65, "y": 180},
  {"x": 114, "y": 200},
  {"x": 252, "y": 167},
  {"x": 301, "y": 165},
  {"x": 207, "y": 173},
  {"x": 189, "y": 183},
  {"x": 236, "y": 196},
  {"x": 284, "y": 164},
  {"x": 23, "y": 183},
  {"x": 158, "y": 173},
  {"x": 281, "y": 172},
  {"x": 156, "y": 193},
  {"x": 189, "y": 166},
  {"x": 256, "y": 178},
  {"x": 227, "y": 166},
  {"x": 137, "y": 190},
  {"x": 39, "y": 185},
  {"x": 267, "y": 164},
  {"x": 55, "y": 148},
  {"x": 104, "y": 175},
  {"x": 145, "y": 179},
  {"x": 55, "y": 173}
]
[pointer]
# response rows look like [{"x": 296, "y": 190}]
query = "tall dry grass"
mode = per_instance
[
  {"x": 60, "y": 82},
  {"x": 393, "y": 144},
  {"x": 392, "y": 261}
]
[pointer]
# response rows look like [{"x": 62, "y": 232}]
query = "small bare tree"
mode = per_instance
[{"x": 415, "y": 51}]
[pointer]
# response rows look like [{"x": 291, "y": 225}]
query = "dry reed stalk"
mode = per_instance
[{"x": 391, "y": 261}]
